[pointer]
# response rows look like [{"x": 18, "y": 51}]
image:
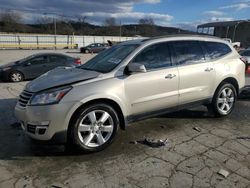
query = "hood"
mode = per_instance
[
  {"x": 9, "y": 64},
  {"x": 59, "y": 77}
]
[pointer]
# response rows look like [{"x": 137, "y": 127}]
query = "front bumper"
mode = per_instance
[
  {"x": 45, "y": 123},
  {"x": 4, "y": 75}
]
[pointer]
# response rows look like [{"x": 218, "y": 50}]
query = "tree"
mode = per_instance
[
  {"x": 46, "y": 24},
  {"x": 147, "y": 27},
  {"x": 109, "y": 22},
  {"x": 11, "y": 22},
  {"x": 146, "y": 21}
]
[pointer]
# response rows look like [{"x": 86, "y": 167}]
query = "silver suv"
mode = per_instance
[{"x": 86, "y": 106}]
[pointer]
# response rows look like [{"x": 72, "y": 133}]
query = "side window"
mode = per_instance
[
  {"x": 216, "y": 49},
  {"x": 57, "y": 59},
  {"x": 188, "y": 52},
  {"x": 154, "y": 57},
  {"x": 39, "y": 60}
]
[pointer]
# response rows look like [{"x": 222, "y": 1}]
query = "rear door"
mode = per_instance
[
  {"x": 57, "y": 61},
  {"x": 196, "y": 74},
  {"x": 157, "y": 88}
]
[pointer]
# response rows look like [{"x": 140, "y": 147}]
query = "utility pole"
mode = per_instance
[
  {"x": 120, "y": 29},
  {"x": 54, "y": 24},
  {"x": 55, "y": 29}
]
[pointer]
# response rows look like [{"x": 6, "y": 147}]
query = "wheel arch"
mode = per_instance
[
  {"x": 110, "y": 102},
  {"x": 232, "y": 81}
]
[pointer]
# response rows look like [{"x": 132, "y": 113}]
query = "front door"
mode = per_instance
[
  {"x": 156, "y": 89},
  {"x": 36, "y": 66}
]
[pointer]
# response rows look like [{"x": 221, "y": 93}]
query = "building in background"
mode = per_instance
[{"x": 237, "y": 31}]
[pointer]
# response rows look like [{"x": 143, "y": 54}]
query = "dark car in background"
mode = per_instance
[
  {"x": 246, "y": 55},
  {"x": 35, "y": 65},
  {"x": 94, "y": 48}
]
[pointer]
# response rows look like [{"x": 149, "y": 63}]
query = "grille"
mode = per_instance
[
  {"x": 24, "y": 98},
  {"x": 31, "y": 128}
]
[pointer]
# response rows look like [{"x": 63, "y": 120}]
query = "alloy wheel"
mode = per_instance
[
  {"x": 16, "y": 77},
  {"x": 226, "y": 100},
  {"x": 95, "y": 128}
]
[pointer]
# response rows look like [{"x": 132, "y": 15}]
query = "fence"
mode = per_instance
[{"x": 33, "y": 41}]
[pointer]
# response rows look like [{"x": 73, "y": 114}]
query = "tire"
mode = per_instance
[
  {"x": 224, "y": 100},
  {"x": 16, "y": 76},
  {"x": 86, "y": 51},
  {"x": 88, "y": 133}
]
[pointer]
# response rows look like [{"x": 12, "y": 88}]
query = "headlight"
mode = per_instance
[{"x": 49, "y": 97}]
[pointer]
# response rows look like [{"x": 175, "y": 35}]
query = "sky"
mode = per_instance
[{"x": 186, "y": 14}]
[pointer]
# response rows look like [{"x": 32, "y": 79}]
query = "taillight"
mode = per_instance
[{"x": 78, "y": 61}]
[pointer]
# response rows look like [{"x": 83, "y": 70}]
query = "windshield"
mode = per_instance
[{"x": 107, "y": 60}]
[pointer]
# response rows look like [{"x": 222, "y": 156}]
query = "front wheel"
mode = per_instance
[
  {"x": 223, "y": 100},
  {"x": 94, "y": 128},
  {"x": 16, "y": 76}
]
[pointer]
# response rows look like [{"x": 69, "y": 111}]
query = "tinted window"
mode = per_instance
[
  {"x": 188, "y": 52},
  {"x": 39, "y": 60},
  {"x": 154, "y": 57},
  {"x": 216, "y": 49},
  {"x": 57, "y": 59}
]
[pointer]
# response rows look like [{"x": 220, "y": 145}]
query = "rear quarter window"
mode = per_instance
[{"x": 215, "y": 50}]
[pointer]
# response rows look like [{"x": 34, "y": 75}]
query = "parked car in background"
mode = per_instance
[
  {"x": 94, "y": 48},
  {"x": 236, "y": 45},
  {"x": 246, "y": 55},
  {"x": 35, "y": 65},
  {"x": 130, "y": 81}
]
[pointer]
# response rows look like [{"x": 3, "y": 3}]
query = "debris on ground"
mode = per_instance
[
  {"x": 197, "y": 129},
  {"x": 153, "y": 143},
  {"x": 244, "y": 137},
  {"x": 133, "y": 142},
  {"x": 223, "y": 173},
  {"x": 55, "y": 186}
]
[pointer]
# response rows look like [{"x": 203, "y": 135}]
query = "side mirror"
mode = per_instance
[
  {"x": 136, "y": 67},
  {"x": 27, "y": 64}
]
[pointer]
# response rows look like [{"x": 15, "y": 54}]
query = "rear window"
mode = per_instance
[{"x": 215, "y": 49}]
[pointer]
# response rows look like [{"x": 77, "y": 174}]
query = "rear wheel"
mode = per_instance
[
  {"x": 16, "y": 76},
  {"x": 94, "y": 128},
  {"x": 86, "y": 51},
  {"x": 223, "y": 100}
]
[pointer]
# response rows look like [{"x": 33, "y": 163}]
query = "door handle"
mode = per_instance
[
  {"x": 170, "y": 76},
  {"x": 208, "y": 69}
]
